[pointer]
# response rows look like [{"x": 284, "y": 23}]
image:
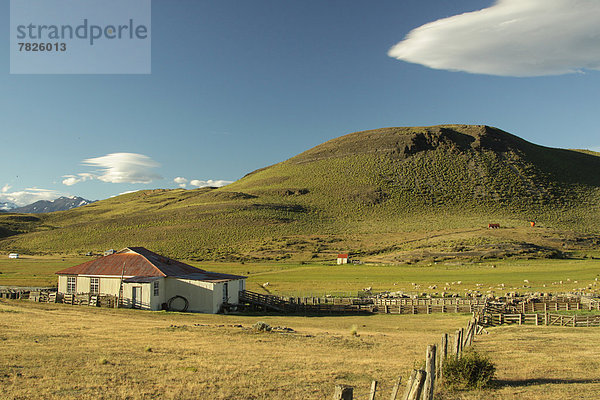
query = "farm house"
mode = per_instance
[
  {"x": 150, "y": 281},
  {"x": 342, "y": 259}
]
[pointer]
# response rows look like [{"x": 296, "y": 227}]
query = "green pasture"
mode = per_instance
[
  {"x": 34, "y": 271},
  {"x": 307, "y": 280},
  {"x": 319, "y": 279}
]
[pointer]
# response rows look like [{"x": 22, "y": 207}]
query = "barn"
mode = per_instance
[{"x": 146, "y": 280}]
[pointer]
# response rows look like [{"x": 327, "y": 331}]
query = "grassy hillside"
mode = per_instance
[{"x": 404, "y": 192}]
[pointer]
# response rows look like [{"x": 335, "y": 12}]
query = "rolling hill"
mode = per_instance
[{"x": 392, "y": 194}]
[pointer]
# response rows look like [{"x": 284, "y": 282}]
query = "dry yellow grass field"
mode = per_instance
[
  {"x": 56, "y": 351},
  {"x": 538, "y": 363}
]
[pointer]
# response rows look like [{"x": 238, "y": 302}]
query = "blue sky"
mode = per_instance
[{"x": 239, "y": 85}]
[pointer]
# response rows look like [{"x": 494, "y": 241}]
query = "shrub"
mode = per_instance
[
  {"x": 471, "y": 371},
  {"x": 354, "y": 331},
  {"x": 262, "y": 327}
]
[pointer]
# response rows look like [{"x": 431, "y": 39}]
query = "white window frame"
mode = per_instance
[
  {"x": 96, "y": 283},
  {"x": 156, "y": 288},
  {"x": 71, "y": 284}
]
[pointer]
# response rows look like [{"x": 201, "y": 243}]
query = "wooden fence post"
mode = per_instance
[
  {"x": 443, "y": 355},
  {"x": 471, "y": 330},
  {"x": 373, "y": 390},
  {"x": 395, "y": 389},
  {"x": 457, "y": 344},
  {"x": 430, "y": 373},
  {"x": 467, "y": 335},
  {"x": 417, "y": 386},
  {"x": 343, "y": 392},
  {"x": 409, "y": 384}
]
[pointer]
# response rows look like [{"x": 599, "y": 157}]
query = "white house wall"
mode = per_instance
[
  {"x": 146, "y": 301},
  {"x": 62, "y": 284},
  {"x": 233, "y": 290},
  {"x": 199, "y": 294},
  {"x": 157, "y": 301},
  {"x": 107, "y": 285},
  {"x": 206, "y": 297}
]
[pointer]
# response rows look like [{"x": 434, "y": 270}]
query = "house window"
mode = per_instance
[
  {"x": 156, "y": 288},
  {"x": 71, "y": 284},
  {"x": 94, "y": 285}
]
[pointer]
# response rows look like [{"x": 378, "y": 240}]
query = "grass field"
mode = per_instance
[
  {"x": 35, "y": 271},
  {"x": 535, "y": 363},
  {"x": 319, "y": 279},
  {"x": 56, "y": 351}
]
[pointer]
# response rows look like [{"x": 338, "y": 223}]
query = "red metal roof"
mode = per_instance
[
  {"x": 342, "y": 255},
  {"x": 138, "y": 262}
]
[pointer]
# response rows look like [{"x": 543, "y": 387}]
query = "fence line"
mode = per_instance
[
  {"x": 547, "y": 319},
  {"x": 422, "y": 383}
]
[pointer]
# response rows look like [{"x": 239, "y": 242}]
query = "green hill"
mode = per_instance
[{"x": 394, "y": 193}]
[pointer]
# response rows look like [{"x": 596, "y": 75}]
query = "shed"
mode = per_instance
[
  {"x": 150, "y": 281},
  {"x": 342, "y": 259}
]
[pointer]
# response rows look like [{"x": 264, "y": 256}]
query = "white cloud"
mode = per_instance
[
  {"x": 73, "y": 179},
  {"x": 125, "y": 168},
  {"x": 117, "y": 168},
  {"x": 511, "y": 38},
  {"x": 182, "y": 182},
  {"x": 5, "y": 188},
  {"x": 27, "y": 196},
  {"x": 127, "y": 192},
  {"x": 210, "y": 182}
]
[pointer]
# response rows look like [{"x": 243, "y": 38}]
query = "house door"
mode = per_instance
[
  {"x": 136, "y": 297},
  {"x": 225, "y": 293}
]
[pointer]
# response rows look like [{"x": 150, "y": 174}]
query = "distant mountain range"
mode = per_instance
[
  {"x": 7, "y": 206},
  {"x": 46, "y": 206}
]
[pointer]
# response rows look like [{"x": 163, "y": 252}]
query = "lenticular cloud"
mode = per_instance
[
  {"x": 117, "y": 168},
  {"x": 511, "y": 38},
  {"x": 125, "y": 168}
]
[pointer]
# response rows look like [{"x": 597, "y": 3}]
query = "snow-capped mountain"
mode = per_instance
[
  {"x": 7, "y": 206},
  {"x": 45, "y": 206}
]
